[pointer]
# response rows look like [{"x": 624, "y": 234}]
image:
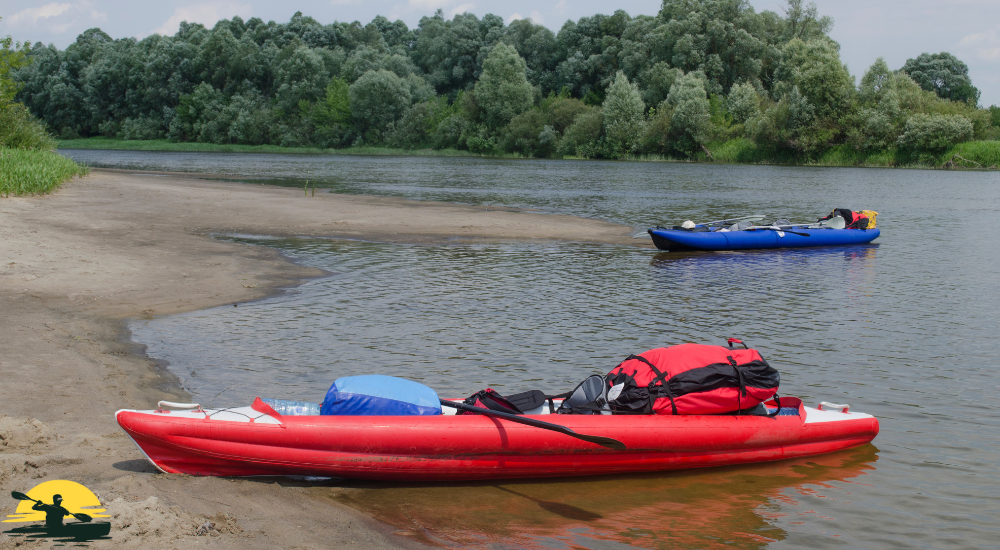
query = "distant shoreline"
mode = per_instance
[{"x": 971, "y": 155}]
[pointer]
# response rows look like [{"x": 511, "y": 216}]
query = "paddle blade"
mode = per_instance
[
  {"x": 835, "y": 222},
  {"x": 606, "y": 442},
  {"x": 82, "y": 517},
  {"x": 20, "y": 496}
]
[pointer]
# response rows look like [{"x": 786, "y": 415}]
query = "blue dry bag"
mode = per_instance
[{"x": 380, "y": 395}]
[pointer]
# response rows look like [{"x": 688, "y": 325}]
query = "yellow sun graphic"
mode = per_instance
[{"x": 77, "y": 499}]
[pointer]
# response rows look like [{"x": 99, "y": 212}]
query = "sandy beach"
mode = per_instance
[{"x": 75, "y": 265}]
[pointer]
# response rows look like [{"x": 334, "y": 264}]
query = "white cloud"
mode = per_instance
[
  {"x": 561, "y": 7},
  {"x": 984, "y": 46},
  {"x": 537, "y": 17},
  {"x": 462, "y": 8},
  {"x": 57, "y": 18},
  {"x": 32, "y": 15},
  {"x": 514, "y": 17},
  {"x": 207, "y": 14}
]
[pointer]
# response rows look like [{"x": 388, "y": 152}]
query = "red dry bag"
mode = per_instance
[{"x": 691, "y": 379}]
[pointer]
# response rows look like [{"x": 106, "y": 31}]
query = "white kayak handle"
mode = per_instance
[
  {"x": 827, "y": 406},
  {"x": 173, "y": 405}
]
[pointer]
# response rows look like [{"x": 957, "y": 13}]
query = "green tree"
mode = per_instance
[
  {"x": 624, "y": 119},
  {"x": 943, "y": 74},
  {"x": 503, "y": 90},
  {"x": 804, "y": 22},
  {"x": 336, "y": 105},
  {"x": 814, "y": 67},
  {"x": 12, "y": 56},
  {"x": 691, "y": 121},
  {"x": 18, "y": 128},
  {"x": 378, "y": 99},
  {"x": 301, "y": 75},
  {"x": 743, "y": 102},
  {"x": 656, "y": 81}
]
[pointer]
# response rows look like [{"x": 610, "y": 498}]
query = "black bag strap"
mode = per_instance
[
  {"x": 743, "y": 384},
  {"x": 661, "y": 376},
  {"x": 777, "y": 401},
  {"x": 549, "y": 398}
]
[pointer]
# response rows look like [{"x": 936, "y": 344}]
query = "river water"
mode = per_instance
[{"x": 904, "y": 329}]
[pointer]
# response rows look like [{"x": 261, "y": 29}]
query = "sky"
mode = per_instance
[{"x": 866, "y": 29}]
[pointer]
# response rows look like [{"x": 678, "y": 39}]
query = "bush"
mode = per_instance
[
  {"x": 563, "y": 111},
  {"x": 934, "y": 133},
  {"x": 581, "y": 137},
  {"x": 449, "y": 133},
  {"x": 521, "y": 135},
  {"x": 20, "y": 130},
  {"x": 141, "y": 128},
  {"x": 412, "y": 131}
]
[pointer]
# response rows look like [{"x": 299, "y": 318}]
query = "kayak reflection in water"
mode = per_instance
[{"x": 54, "y": 513}]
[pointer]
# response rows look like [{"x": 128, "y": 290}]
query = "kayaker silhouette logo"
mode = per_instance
[{"x": 53, "y": 502}]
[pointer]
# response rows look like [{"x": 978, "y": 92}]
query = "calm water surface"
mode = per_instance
[{"x": 905, "y": 329}]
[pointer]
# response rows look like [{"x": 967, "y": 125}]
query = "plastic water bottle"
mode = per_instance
[{"x": 285, "y": 407}]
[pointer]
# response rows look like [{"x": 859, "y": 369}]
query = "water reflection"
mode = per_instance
[{"x": 747, "y": 507}]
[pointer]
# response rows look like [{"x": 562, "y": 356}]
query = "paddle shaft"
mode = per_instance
[
  {"x": 772, "y": 228},
  {"x": 731, "y": 220},
  {"x": 596, "y": 439},
  {"x": 22, "y": 496}
]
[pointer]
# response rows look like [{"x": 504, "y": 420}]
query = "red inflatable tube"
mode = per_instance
[{"x": 253, "y": 441}]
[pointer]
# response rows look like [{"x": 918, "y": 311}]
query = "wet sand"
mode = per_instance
[{"x": 75, "y": 265}]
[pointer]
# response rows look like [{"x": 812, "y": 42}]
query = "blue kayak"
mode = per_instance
[{"x": 679, "y": 239}]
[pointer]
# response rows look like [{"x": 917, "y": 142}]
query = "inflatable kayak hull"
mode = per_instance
[
  {"x": 674, "y": 239},
  {"x": 255, "y": 441}
]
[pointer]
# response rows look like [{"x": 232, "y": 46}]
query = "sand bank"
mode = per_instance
[{"x": 117, "y": 245}]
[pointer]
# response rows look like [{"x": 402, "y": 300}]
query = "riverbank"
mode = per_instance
[
  {"x": 117, "y": 245},
  {"x": 972, "y": 155}
]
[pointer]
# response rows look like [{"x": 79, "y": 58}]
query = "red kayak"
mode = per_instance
[{"x": 255, "y": 440}]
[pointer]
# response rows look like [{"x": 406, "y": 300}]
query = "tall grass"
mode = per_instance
[
  {"x": 845, "y": 155},
  {"x": 985, "y": 153},
  {"x": 35, "y": 172}
]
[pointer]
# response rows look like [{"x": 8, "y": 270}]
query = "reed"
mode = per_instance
[
  {"x": 984, "y": 153},
  {"x": 35, "y": 172}
]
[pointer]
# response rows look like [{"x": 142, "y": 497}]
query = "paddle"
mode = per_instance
[
  {"x": 707, "y": 224},
  {"x": 22, "y": 496},
  {"x": 836, "y": 222},
  {"x": 732, "y": 221},
  {"x": 602, "y": 441}
]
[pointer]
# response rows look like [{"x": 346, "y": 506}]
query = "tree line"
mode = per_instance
[{"x": 605, "y": 86}]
